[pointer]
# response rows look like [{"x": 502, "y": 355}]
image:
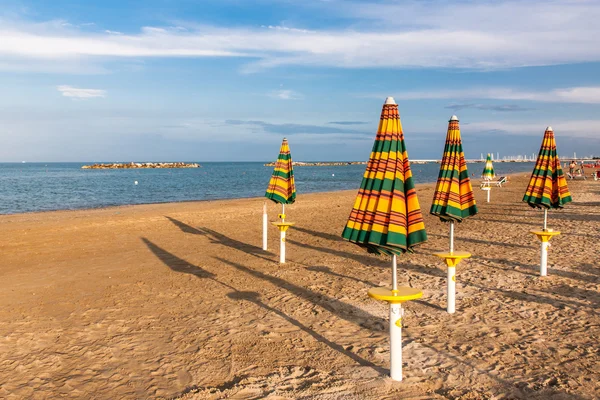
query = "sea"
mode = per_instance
[{"x": 33, "y": 187}]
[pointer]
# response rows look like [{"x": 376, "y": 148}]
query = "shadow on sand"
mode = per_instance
[
  {"x": 180, "y": 265},
  {"x": 218, "y": 238}
]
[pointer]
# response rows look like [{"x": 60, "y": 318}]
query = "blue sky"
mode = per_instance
[{"x": 227, "y": 80}]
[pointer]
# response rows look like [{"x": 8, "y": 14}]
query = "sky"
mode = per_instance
[{"x": 227, "y": 80}]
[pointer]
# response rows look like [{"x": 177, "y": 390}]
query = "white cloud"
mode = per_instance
[
  {"x": 78, "y": 93},
  {"x": 487, "y": 35},
  {"x": 583, "y": 94},
  {"x": 285, "y": 94},
  {"x": 562, "y": 129}
]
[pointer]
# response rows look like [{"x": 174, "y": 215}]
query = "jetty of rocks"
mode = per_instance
[{"x": 133, "y": 165}]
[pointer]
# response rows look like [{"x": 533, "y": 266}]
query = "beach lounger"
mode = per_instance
[
  {"x": 499, "y": 182},
  {"x": 576, "y": 176}
]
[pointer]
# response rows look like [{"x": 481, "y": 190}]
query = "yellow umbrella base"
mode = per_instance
[
  {"x": 545, "y": 236},
  {"x": 404, "y": 293},
  {"x": 283, "y": 226},
  {"x": 452, "y": 259}
]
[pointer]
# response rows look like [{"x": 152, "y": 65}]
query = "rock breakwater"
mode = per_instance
[{"x": 133, "y": 165}]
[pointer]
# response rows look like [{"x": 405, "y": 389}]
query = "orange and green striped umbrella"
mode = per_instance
[
  {"x": 453, "y": 199},
  {"x": 548, "y": 185},
  {"x": 488, "y": 170},
  {"x": 386, "y": 217},
  {"x": 281, "y": 187}
]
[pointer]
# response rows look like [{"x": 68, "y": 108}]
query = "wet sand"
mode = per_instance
[{"x": 179, "y": 301}]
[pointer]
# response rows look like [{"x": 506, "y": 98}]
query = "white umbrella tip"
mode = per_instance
[
  {"x": 390, "y": 100},
  {"x": 454, "y": 118},
  {"x": 549, "y": 128}
]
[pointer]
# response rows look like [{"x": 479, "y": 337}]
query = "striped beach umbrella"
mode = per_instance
[
  {"x": 281, "y": 187},
  {"x": 547, "y": 185},
  {"x": 386, "y": 218},
  {"x": 488, "y": 170},
  {"x": 453, "y": 199},
  {"x": 547, "y": 189},
  {"x": 282, "y": 190}
]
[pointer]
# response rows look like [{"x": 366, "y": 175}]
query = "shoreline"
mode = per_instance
[{"x": 115, "y": 206}]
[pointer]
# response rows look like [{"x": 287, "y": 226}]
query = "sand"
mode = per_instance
[{"x": 179, "y": 301}]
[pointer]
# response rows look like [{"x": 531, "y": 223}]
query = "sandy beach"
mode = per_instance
[{"x": 179, "y": 301}]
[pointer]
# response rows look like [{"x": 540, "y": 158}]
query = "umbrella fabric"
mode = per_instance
[
  {"x": 386, "y": 217},
  {"x": 488, "y": 170},
  {"x": 548, "y": 185},
  {"x": 281, "y": 187},
  {"x": 453, "y": 199}
]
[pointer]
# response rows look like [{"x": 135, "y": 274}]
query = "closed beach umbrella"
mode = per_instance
[
  {"x": 453, "y": 199},
  {"x": 547, "y": 189},
  {"x": 386, "y": 217},
  {"x": 547, "y": 185},
  {"x": 488, "y": 170},
  {"x": 282, "y": 190},
  {"x": 281, "y": 187},
  {"x": 488, "y": 174}
]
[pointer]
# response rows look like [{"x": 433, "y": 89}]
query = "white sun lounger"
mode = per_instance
[{"x": 499, "y": 182}]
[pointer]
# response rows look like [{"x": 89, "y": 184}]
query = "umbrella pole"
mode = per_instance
[
  {"x": 451, "y": 236},
  {"x": 394, "y": 273},
  {"x": 265, "y": 224},
  {"x": 545, "y": 219},
  {"x": 282, "y": 237},
  {"x": 488, "y": 195},
  {"x": 395, "y": 328},
  {"x": 396, "y": 313},
  {"x": 451, "y": 279}
]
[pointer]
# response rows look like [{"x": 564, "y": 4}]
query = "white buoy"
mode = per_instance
[
  {"x": 135, "y": 182},
  {"x": 265, "y": 226}
]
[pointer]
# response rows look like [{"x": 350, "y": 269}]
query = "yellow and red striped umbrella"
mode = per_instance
[
  {"x": 548, "y": 185},
  {"x": 282, "y": 188},
  {"x": 386, "y": 217},
  {"x": 453, "y": 199}
]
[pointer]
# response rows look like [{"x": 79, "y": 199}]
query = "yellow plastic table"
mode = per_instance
[
  {"x": 282, "y": 226},
  {"x": 452, "y": 259},
  {"x": 544, "y": 236},
  {"x": 395, "y": 298},
  {"x": 404, "y": 293}
]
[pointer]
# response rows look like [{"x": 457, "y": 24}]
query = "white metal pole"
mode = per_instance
[
  {"x": 544, "y": 262},
  {"x": 451, "y": 236},
  {"x": 488, "y": 194},
  {"x": 545, "y": 219},
  {"x": 396, "y": 341},
  {"x": 283, "y": 212},
  {"x": 394, "y": 273},
  {"x": 451, "y": 290},
  {"x": 265, "y": 225},
  {"x": 282, "y": 248}
]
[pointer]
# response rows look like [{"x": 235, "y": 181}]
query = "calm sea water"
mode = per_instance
[{"x": 65, "y": 186}]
